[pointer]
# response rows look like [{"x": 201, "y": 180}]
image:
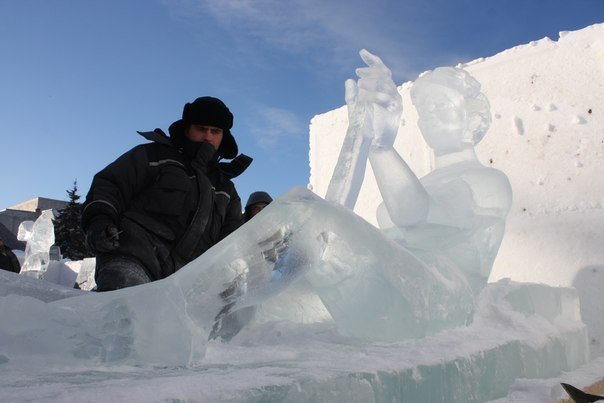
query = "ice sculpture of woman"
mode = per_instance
[
  {"x": 451, "y": 220},
  {"x": 459, "y": 208}
]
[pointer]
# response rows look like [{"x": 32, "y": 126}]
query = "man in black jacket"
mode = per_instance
[{"x": 162, "y": 204}]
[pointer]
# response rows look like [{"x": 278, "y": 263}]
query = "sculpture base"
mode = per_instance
[{"x": 520, "y": 331}]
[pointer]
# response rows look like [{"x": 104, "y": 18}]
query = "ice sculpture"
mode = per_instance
[
  {"x": 133, "y": 325},
  {"x": 369, "y": 114},
  {"x": 40, "y": 236},
  {"x": 372, "y": 287},
  {"x": 417, "y": 275},
  {"x": 451, "y": 220}
]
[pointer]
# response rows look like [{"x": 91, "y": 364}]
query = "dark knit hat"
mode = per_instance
[
  {"x": 258, "y": 197},
  {"x": 212, "y": 112}
]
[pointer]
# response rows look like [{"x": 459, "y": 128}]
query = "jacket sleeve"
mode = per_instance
[
  {"x": 234, "y": 217},
  {"x": 15, "y": 262},
  {"x": 116, "y": 185}
]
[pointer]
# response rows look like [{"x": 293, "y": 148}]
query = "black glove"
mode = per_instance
[{"x": 102, "y": 235}]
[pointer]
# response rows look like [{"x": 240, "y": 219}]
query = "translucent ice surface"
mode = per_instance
[
  {"x": 448, "y": 223},
  {"x": 372, "y": 287},
  {"x": 40, "y": 236},
  {"x": 374, "y": 113}
]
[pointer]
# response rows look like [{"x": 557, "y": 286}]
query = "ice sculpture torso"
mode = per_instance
[{"x": 465, "y": 221}]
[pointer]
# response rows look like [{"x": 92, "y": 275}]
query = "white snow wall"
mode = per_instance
[{"x": 547, "y": 135}]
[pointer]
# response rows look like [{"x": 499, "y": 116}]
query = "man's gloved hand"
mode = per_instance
[
  {"x": 102, "y": 235},
  {"x": 204, "y": 154}
]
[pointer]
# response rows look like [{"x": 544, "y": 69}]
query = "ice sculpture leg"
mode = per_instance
[
  {"x": 168, "y": 322},
  {"x": 372, "y": 287},
  {"x": 375, "y": 289}
]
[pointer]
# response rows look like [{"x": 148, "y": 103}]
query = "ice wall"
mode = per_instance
[{"x": 547, "y": 137}]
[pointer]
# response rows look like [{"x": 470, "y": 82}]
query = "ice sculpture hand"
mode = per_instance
[
  {"x": 374, "y": 102},
  {"x": 102, "y": 235},
  {"x": 374, "y": 114}
]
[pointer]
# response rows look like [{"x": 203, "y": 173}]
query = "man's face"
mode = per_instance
[{"x": 209, "y": 134}]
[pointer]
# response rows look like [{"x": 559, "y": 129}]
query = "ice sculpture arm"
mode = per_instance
[
  {"x": 374, "y": 112},
  {"x": 405, "y": 198},
  {"x": 382, "y": 102},
  {"x": 348, "y": 174}
]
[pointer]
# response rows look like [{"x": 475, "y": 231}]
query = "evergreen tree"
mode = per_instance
[{"x": 68, "y": 233}]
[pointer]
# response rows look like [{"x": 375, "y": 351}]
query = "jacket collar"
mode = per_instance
[{"x": 231, "y": 169}]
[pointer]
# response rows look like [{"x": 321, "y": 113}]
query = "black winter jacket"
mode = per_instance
[
  {"x": 169, "y": 208},
  {"x": 8, "y": 260}
]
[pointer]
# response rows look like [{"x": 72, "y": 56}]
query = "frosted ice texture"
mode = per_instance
[{"x": 40, "y": 236}]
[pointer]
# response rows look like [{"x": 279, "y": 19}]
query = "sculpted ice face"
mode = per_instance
[{"x": 453, "y": 113}]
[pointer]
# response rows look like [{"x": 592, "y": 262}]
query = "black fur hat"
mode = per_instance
[{"x": 212, "y": 112}]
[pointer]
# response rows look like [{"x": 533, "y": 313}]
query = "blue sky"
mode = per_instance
[{"x": 79, "y": 77}]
